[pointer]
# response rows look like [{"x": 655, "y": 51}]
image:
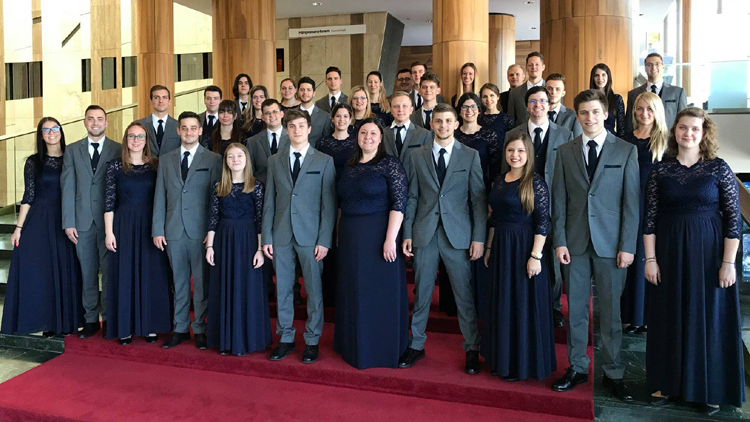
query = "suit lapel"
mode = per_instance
[
  {"x": 196, "y": 161},
  {"x": 578, "y": 154},
  {"x": 407, "y": 140},
  {"x": 264, "y": 142},
  {"x": 284, "y": 141},
  {"x": 108, "y": 147},
  {"x": 151, "y": 134},
  {"x": 604, "y": 157},
  {"x": 85, "y": 157},
  {"x": 455, "y": 156},
  {"x": 177, "y": 162},
  {"x": 430, "y": 162}
]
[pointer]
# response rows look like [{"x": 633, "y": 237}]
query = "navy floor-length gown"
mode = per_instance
[
  {"x": 372, "y": 310},
  {"x": 617, "y": 118},
  {"x": 517, "y": 335},
  {"x": 238, "y": 316},
  {"x": 138, "y": 293},
  {"x": 694, "y": 348},
  {"x": 633, "y": 300},
  {"x": 500, "y": 123},
  {"x": 43, "y": 292}
]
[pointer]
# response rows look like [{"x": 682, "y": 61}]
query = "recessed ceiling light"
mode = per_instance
[
  {"x": 317, "y": 3},
  {"x": 429, "y": 21},
  {"x": 641, "y": 14},
  {"x": 529, "y": 2},
  {"x": 533, "y": 27}
]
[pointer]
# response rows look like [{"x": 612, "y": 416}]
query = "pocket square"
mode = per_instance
[
  {"x": 612, "y": 166},
  {"x": 312, "y": 172}
]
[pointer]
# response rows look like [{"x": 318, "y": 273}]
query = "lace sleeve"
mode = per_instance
[
  {"x": 29, "y": 181},
  {"x": 110, "y": 189},
  {"x": 213, "y": 212},
  {"x": 495, "y": 152},
  {"x": 729, "y": 201},
  {"x": 540, "y": 216},
  {"x": 258, "y": 194},
  {"x": 397, "y": 190},
  {"x": 620, "y": 117},
  {"x": 652, "y": 199}
]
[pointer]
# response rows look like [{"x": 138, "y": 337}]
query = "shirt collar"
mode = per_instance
[
  {"x": 448, "y": 148},
  {"x": 155, "y": 119},
  {"x": 91, "y": 141},
  {"x": 303, "y": 151},
  {"x": 544, "y": 126},
  {"x": 191, "y": 150},
  {"x": 277, "y": 132},
  {"x": 530, "y": 85},
  {"x": 406, "y": 125},
  {"x": 216, "y": 115},
  {"x": 336, "y": 96},
  {"x": 599, "y": 139},
  {"x": 659, "y": 85},
  {"x": 557, "y": 109},
  {"x": 309, "y": 110}
]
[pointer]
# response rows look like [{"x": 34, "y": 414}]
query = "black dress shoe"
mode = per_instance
[
  {"x": 630, "y": 329},
  {"x": 641, "y": 330},
  {"x": 200, "y": 341},
  {"x": 708, "y": 410},
  {"x": 281, "y": 351},
  {"x": 310, "y": 354},
  {"x": 175, "y": 340},
  {"x": 125, "y": 341},
  {"x": 104, "y": 329},
  {"x": 410, "y": 357},
  {"x": 618, "y": 389},
  {"x": 151, "y": 338},
  {"x": 570, "y": 380},
  {"x": 48, "y": 334},
  {"x": 472, "y": 362},
  {"x": 89, "y": 329},
  {"x": 510, "y": 378},
  {"x": 224, "y": 352},
  {"x": 558, "y": 318}
]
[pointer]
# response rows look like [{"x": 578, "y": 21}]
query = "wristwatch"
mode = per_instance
[{"x": 536, "y": 256}]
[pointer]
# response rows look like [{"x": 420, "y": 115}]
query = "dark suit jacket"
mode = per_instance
[
  {"x": 325, "y": 103},
  {"x": 260, "y": 152},
  {"x": 504, "y": 96},
  {"x": 415, "y": 138},
  {"x": 673, "y": 98},
  {"x": 169, "y": 142},
  {"x": 321, "y": 125},
  {"x": 567, "y": 119},
  {"x": 206, "y": 131}
]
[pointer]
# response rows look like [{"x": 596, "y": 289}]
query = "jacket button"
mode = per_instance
[
  {"x": 436, "y": 213},
  {"x": 184, "y": 191}
]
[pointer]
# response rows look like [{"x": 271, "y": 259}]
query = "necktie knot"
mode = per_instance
[
  {"x": 591, "y": 144},
  {"x": 442, "y": 151},
  {"x": 160, "y": 121},
  {"x": 95, "y": 145},
  {"x": 210, "y": 119},
  {"x": 186, "y": 154},
  {"x": 298, "y": 155},
  {"x": 538, "y": 131},
  {"x": 653, "y": 88},
  {"x": 399, "y": 128},
  {"x": 551, "y": 115}
]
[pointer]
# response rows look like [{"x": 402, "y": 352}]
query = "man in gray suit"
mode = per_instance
[
  {"x": 298, "y": 217},
  {"x": 595, "y": 213},
  {"x": 321, "y": 121},
  {"x": 446, "y": 217},
  {"x": 558, "y": 113},
  {"x": 269, "y": 141},
  {"x": 181, "y": 200},
  {"x": 161, "y": 127},
  {"x": 335, "y": 96},
  {"x": 429, "y": 88},
  {"x": 83, "y": 182},
  {"x": 419, "y": 69},
  {"x": 673, "y": 97},
  {"x": 404, "y": 137},
  {"x": 209, "y": 119},
  {"x": 547, "y": 138},
  {"x": 534, "y": 70}
]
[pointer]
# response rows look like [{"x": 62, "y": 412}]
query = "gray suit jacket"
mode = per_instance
[
  {"x": 517, "y": 104},
  {"x": 415, "y": 138},
  {"x": 304, "y": 211},
  {"x": 567, "y": 119},
  {"x": 183, "y": 206},
  {"x": 321, "y": 125},
  {"x": 82, "y": 189},
  {"x": 171, "y": 139},
  {"x": 673, "y": 98},
  {"x": 460, "y": 202},
  {"x": 325, "y": 103},
  {"x": 556, "y": 136},
  {"x": 260, "y": 151},
  {"x": 206, "y": 132},
  {"x": 605, "y": 210}
]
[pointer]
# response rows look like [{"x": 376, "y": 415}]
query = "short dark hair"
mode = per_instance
[
  {"x": 95, "y": 107},
  {"x": 533, "y": 91},
  {"x": 268, "y": 102},
  {"x": 654, "y": 55},
  {"x": 294, "y": 114},
  {"x": 444, "y": 108},
  {"x": 213, "y": 88},
  {"x": 556, "y": 77},
  {"x": 403, "y": 71},
  {"x": 187, "y": 115},
  {"x": 417, "y": 63},
  {"x": 159, "y": 88},
  {"x": 306, "y": 80},
  {"x": 346, "y": 107},
  {"x": 588, "y": 96},
  {"x": 333, "y": 69},
  {"x": 236, "y": 85},
  {"x": 431, "y": 77},
  {"x": 535, "y": 54}
]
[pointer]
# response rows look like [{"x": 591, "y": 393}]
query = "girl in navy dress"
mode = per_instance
[
  {"x": 138, "y": 296},
  {"x": 493, "y": 117},
  {"x": 43, "y": 292},
  {"x": 650, "y": 137},
  {"x": 228, "y": 130},
  {"x": 691, "y": 236},
  {"x": 518, "y": 341},
  {"x": 288, "y": 94},
  {"x": 378, "y": 101},
  {"x": 253, "y": 122},
  {"x": 372, "y": 312},
  {"x": 601, "y": 79},
  {"x": 238, "y": 320}
]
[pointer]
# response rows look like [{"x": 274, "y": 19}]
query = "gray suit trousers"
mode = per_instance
[
  {"x": 284, "y": 261},
  {"x": 610, "y": 282},
  {"x": 93, "y": 255},
  {"x": 187, "y": 257},
  {"x": 458, "y": 265}
]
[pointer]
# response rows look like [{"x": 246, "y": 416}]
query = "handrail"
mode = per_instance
[
  {"x": 744, "y": 200},
  {"x": 113, "y": 110}
]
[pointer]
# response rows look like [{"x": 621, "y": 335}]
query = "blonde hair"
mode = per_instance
[
  {"x": 127, "y": 162},
  {"x": 461, "y": 79},
  {"x": 368, "y": 109},
  {"x": 225, "y": 185},
  {"x": 526, "y": 185},
  {"x": 659, "y": 132},
  {"x": 385, "y": 106},
  {"x": 709, "y": 143}
]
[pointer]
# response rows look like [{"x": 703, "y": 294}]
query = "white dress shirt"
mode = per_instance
[
  {"x": 424, "y": 115},
  {"x": 292, "y": 158},
  {"x": 278, "y": 137},
  {"x": 308, "y": 110},
  {"x": 403, "y": 131},
  {"x": 556, "y": 110},
  {"x": 91, "y": 148},
  {"x": 448, "y": 151},
  {"x": 336, "y": 96},
  {"x": 191, "y": 151},
  {"x": 530, "y": 85},
  {"x": 155, "y": 119},
  {"x": 216, "y": 117},
  {"x": 599, "y": 139},
  {"x": 532, "y": 128},
  {"x": 659, "y": 85}
]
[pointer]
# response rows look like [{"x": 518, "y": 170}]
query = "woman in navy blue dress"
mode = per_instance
[
  {"x": 650, "y": 138},
  {"x": 518, "y": 340},
  {"x": 372, "y": 312},
  {"x": 252, "y": 119},
  {"x": 227, "y": 131},
  {"x": 601, "y": 79},
  {"x": 492, "y": 117},
  {"x": 138, "y": 295},
  {"x": 378, "y": 101},
  {"x": 43, "y": 292},
  {"x": 691, "y": 237},
  {"x": 288, "y": 89},
  {"x": 360, "y": 102},
  {"x": 238, "y": 319}
]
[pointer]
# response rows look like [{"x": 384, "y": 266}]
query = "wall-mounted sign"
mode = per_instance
[{"x": 324, "y": 31}]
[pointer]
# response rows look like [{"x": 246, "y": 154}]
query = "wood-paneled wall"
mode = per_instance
[
  {"x": 105, "y": 25},
  {"x": 154, "y": 43},
  {"x": 577, "y": 34},
  {"x": 523, "y": 48},
  {"x": 502, "y": 48}
]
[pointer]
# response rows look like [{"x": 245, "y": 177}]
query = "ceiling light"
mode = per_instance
[
  {"x": 533, "y": 27},
  {"x": 641, "y": 14},
  {"x": 429, "y": 21},
  {"x": 317, "y": 3},
  {"x": 529, "y": 2}
]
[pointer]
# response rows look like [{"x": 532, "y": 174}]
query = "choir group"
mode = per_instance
[{"x": 507, "y": 195}]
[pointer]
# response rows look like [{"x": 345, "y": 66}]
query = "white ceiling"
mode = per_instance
[{"x": 415, "y": 14}]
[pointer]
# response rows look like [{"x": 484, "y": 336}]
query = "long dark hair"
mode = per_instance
[
  {"x": 41, "y": 147},
  {"x": 235, "y": 87},
  {"x": 358, "y": 150},
  {"x": 231, "y": 107},
  {"x": 611, "y": 100}
]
